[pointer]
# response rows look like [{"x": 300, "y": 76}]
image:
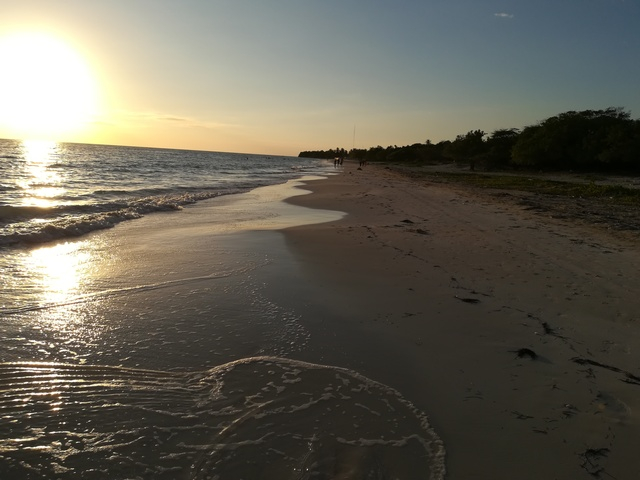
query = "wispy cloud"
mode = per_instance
[
  {"x": 504, "y": 15},
  {"x": 169, "y": 118},
  {"x": 125, "y": 117},
  {"x": 190, "y": 122}
]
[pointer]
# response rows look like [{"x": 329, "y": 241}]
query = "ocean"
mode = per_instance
[
  {"x": 50, "y": 191},
  {"x": 141, "y": 336}
]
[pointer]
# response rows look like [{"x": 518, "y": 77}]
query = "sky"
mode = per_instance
[{"x": 282, "y": 76}]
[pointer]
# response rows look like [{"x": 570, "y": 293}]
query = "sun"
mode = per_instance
[{"x": 47, "y": 89}]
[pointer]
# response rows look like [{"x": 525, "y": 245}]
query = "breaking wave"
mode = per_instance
[{"x": 32, "y": 224}]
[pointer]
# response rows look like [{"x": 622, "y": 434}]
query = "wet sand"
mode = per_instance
[
  {"x": 518, "y": 334},
  {"x": 159, "y": 359}
]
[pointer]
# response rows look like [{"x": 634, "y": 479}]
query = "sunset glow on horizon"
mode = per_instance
[{"x": 281, "y": 77}]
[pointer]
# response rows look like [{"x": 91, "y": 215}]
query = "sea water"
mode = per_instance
[
  {"x": 156, "y": 351},
  {"x": 53, "y": 190}
]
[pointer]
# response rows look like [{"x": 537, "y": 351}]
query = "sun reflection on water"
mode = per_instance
[
  {"x": 42, "y": 183},
  {"x": 58, "y": 314},
  {"x": 60, "y": 270}
]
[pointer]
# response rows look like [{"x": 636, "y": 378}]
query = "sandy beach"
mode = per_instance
[
  {"x": 515, "y": 332},
  {"x": 335, "y": 320}
]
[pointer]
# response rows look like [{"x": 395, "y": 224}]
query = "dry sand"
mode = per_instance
[{"x": 447, "y": 297}]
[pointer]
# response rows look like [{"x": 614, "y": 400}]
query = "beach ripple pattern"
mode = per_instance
[{"x": 256, "y": 418}]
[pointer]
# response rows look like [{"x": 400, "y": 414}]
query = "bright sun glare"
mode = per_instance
[{"x": 46, "y": 88}]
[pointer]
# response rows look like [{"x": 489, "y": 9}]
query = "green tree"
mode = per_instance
[
  {"x": 622, "y": 147},
  {"x": 499, "y": 147},
  {"x": 467, "y": 148},
  {"x": 589, "y": 140},
  {"x": 576, "y": 140}
]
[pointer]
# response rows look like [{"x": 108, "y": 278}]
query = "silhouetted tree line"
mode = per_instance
[
  {"x": 599, "y": 140},
  {"x": 338, "y": 152}
]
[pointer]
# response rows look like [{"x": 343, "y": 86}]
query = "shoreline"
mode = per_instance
[
  {"x": 422, "y": 288},
  {"x": 515, "y": 333}
]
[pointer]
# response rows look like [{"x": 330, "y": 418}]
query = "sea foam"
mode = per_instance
[{"x": 244, "y": 419}]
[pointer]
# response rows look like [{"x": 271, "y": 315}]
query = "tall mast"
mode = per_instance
[{"x": 354, "y": 137}]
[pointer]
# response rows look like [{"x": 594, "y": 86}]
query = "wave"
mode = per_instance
[
  {"x": 33, "y": 224},
  {"x": 9, "y": 213},
  {"x": 133, "y": 193},
  {"x": 259, "y": 417}
]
